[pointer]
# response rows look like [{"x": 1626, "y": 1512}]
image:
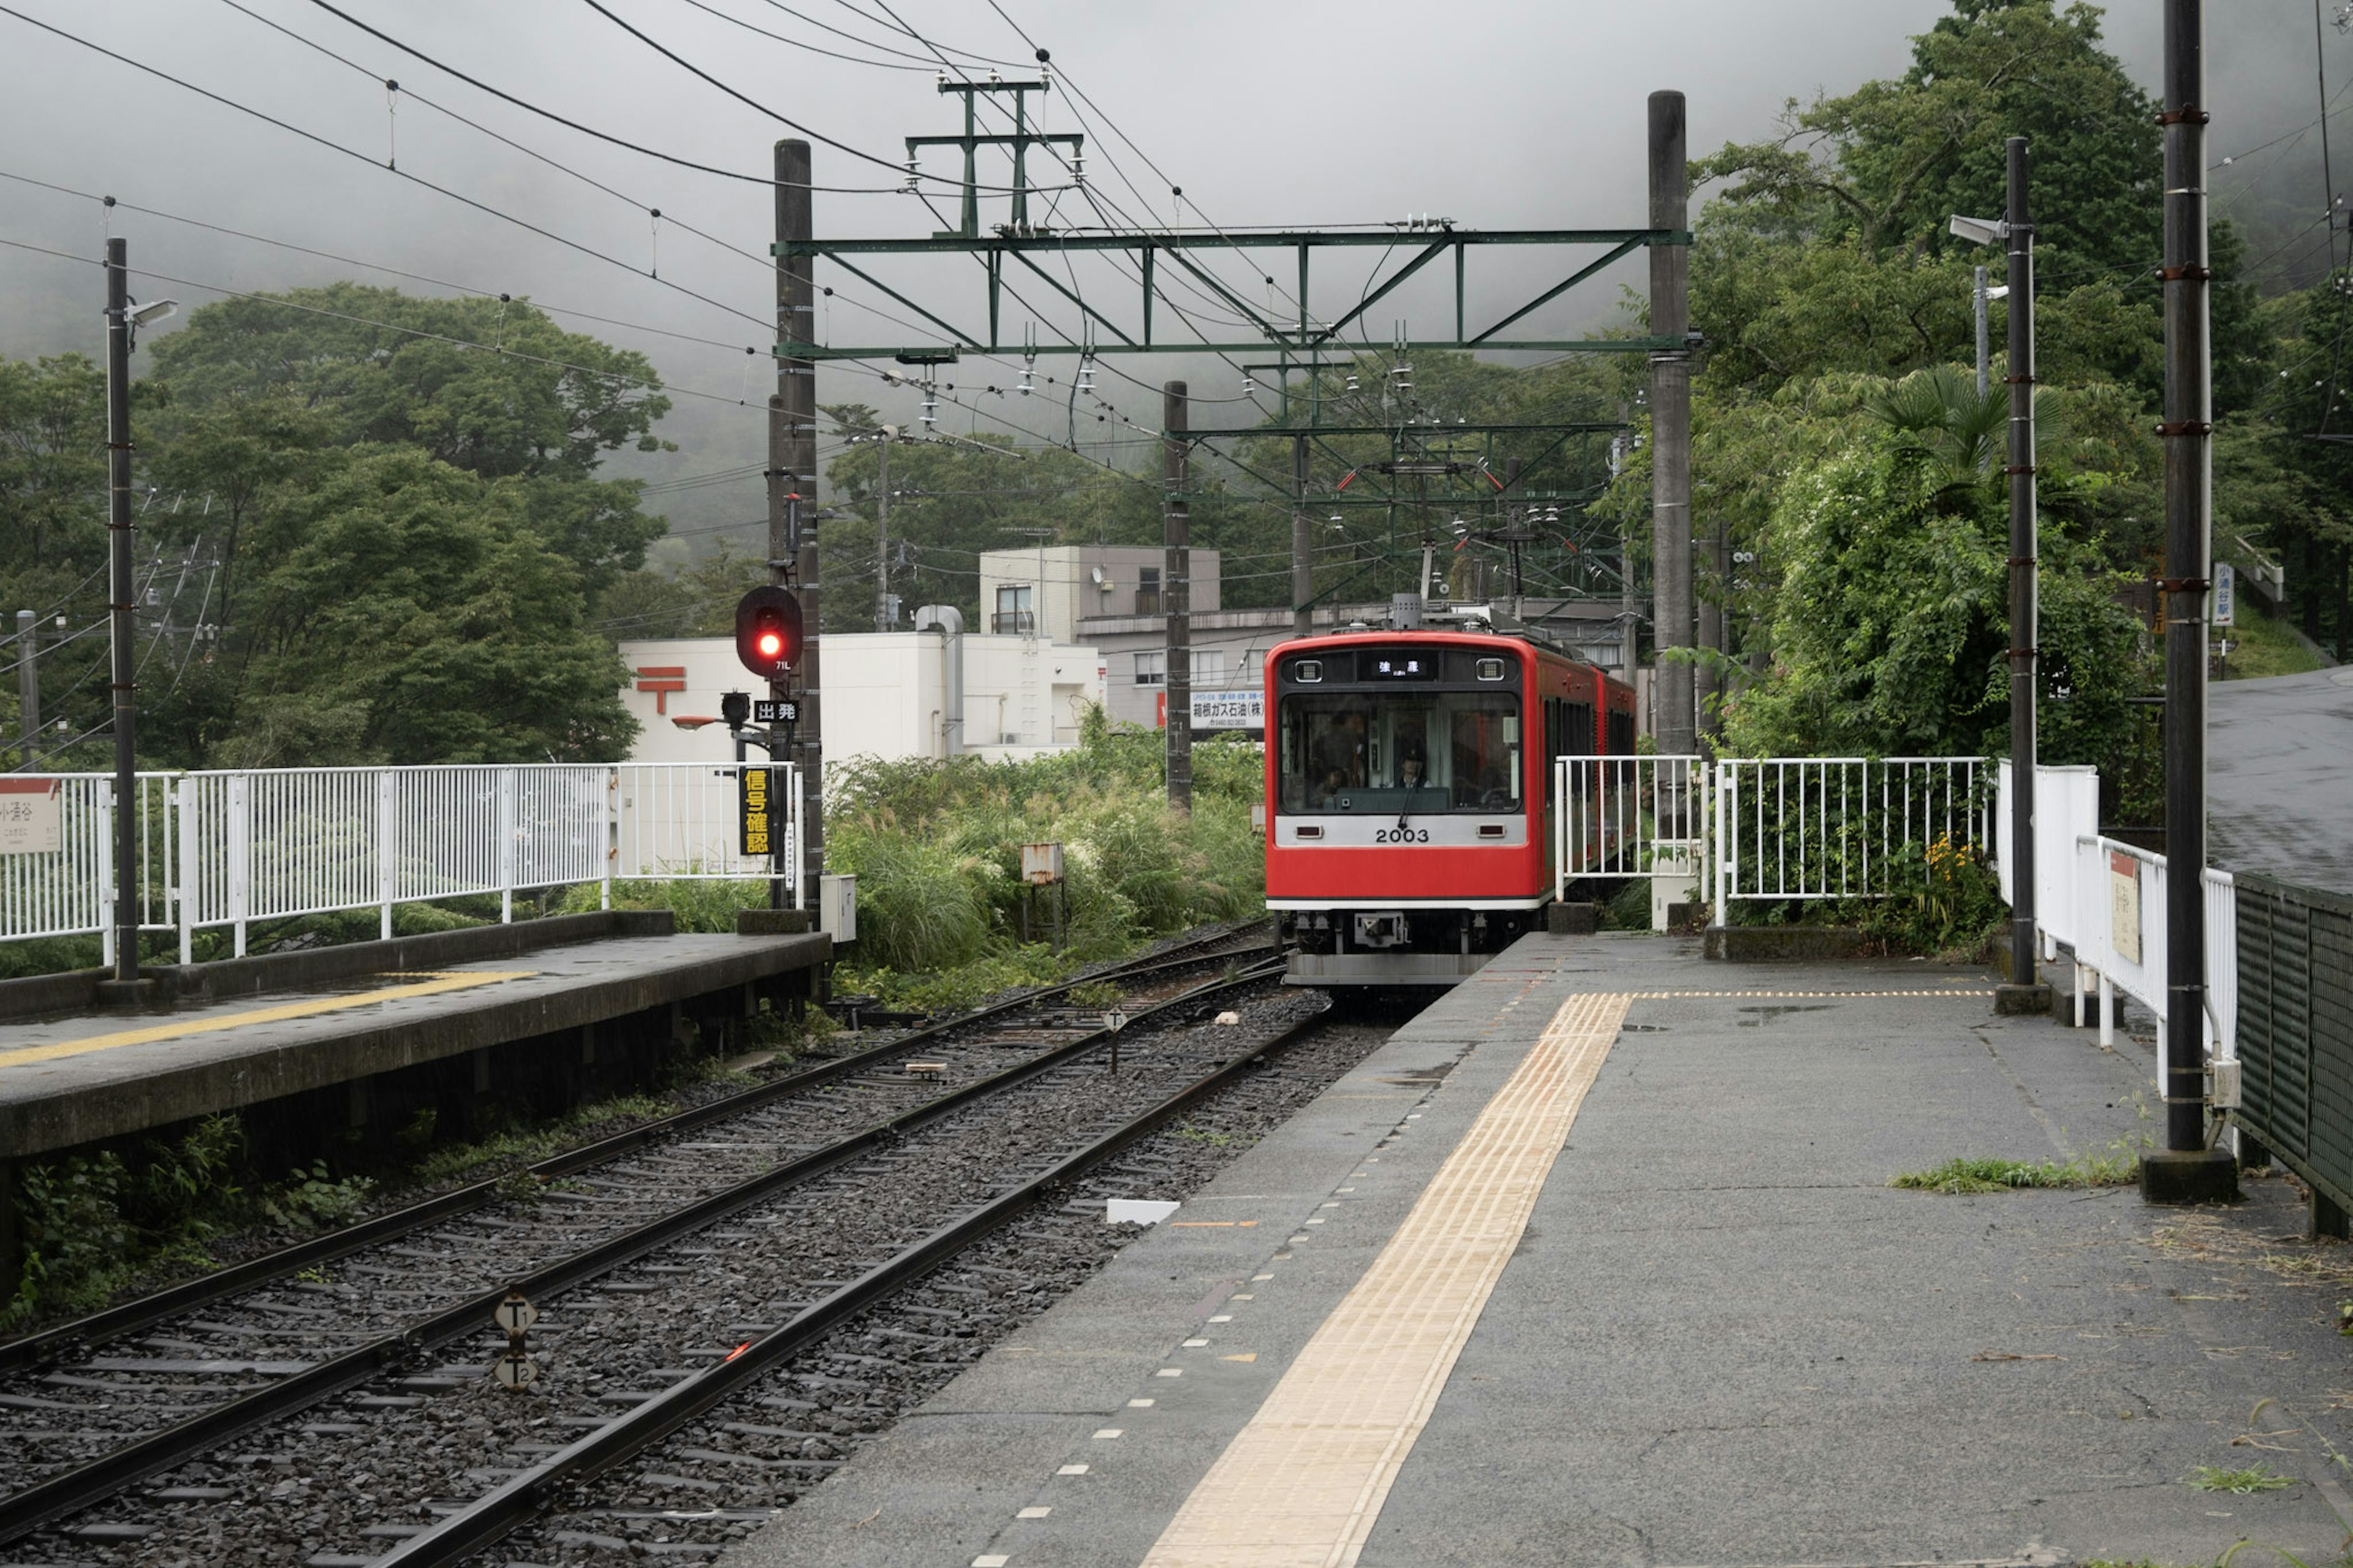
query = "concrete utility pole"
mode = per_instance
[
  {"x": 792, "y": 494},
  {"x": 121, "y": 536},
  {"x": 1671, "y": 523},
  {"x": 2025, "y": 605},
  {"x": 1175, "y": 469},
  {"x": 1302, "y": 545},
  {"x": 889, "y": 434},
  {"x": 2186, "y": 1171},
  {"x": 28, "y": 687}
]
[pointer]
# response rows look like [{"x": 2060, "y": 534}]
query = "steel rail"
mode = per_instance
[
  {"x": 71, "y": 1490},
  {"x": 112, "y": 1322},
  {"x": 518, "y": 1501}
]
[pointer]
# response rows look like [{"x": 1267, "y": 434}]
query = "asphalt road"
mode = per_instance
[{"x": 2279, "y": 777}]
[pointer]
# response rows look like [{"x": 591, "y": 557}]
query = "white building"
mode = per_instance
[{"x": 885, "y": 696}]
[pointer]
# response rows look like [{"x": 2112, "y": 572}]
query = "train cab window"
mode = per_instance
[{"x": 1385, "y": 752}]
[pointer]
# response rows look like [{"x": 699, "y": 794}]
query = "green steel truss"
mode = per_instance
[{"x": 1154, "y": 254}]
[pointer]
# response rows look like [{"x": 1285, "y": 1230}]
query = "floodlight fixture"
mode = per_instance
[{"x": 1980, "y": 230}]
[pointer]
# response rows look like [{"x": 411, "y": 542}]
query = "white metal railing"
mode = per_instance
[
  {"x": 1627, "y": 817},
  {"x": 2105, "y": 901},
  {"x": 227, "y": 849},
  {"x": 2118, "y": 940},
  {"x": 1761, "y": 828},
  {"x": 1835, "y": 828}
]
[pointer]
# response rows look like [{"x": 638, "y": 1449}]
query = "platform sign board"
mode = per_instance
[
  {"x": 2124, "y": 905},
  {"x": 32, "y": 816},
  {"x": 1230, "y": 710},
  {"x": 762, "y": 818},
  {"x": 2226, "y": 594}
]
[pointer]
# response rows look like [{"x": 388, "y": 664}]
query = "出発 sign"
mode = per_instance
[
  {"x": 757, "y": 793},
  {"x": 32, "y": 816}
]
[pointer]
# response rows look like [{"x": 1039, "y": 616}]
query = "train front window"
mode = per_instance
[{"x": 1382, "y": 753}]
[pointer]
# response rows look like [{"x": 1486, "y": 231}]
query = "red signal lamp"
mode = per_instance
[{"x": 769, "y": 632}]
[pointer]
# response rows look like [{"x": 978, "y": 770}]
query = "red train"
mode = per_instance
[{"x": 1408, "y": 780}]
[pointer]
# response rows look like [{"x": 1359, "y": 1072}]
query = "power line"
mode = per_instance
[
  {"x": 362, "y": 157},
  {"x": 475, "y": 125},
  {"x": 650, "y": 383},
  {"x": 371, "y": 265},
  {"x": 480, "y": 85},
  {"x": 688, "y": 66},
  {"x": 796, "y": 43}
]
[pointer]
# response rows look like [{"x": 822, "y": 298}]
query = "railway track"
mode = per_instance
[{"x": 95, "y": 1407}]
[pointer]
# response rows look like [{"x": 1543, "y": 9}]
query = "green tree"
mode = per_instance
[
  {"x": 411, "y": 614},
  {"x": 1891, "y": 624}
]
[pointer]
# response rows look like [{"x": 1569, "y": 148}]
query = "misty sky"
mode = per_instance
[{"x": 1495, "y": 115}]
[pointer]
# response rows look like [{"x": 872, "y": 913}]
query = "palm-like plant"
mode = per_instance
[{"x": 1954, "y": 432}]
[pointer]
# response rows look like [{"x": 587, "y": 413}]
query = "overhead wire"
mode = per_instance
[
  {"x": 634, "y": 204},
  {"x": 812, "y": 48},
  {"x": 372, "y": 265},
  {"x": 897, "y": 167},
  {"x": 362, "y": 157}
]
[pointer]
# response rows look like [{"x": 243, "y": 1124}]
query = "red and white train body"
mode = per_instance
[{"x": 1408, "y": 777}]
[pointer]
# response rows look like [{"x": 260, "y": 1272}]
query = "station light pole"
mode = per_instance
[{"x": 2025, "y": 993}]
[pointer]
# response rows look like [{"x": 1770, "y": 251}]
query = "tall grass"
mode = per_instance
[{"x": 937, "y": 848}]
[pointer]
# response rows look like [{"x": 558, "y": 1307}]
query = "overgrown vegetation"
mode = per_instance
[
  {"x": 2247, "y": 1482},
  {"x": 936, "y": 849},
  {"x": 2117, "y": 1165}
]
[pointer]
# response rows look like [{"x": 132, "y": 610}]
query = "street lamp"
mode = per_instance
[{"x": 2025, "y": 993}]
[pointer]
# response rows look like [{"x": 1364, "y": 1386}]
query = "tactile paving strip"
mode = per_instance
[{"x": 1301, "y": 1484}]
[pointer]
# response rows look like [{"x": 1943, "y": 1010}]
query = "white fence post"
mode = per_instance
[
  {"x": 506, "y": 843},
  {"x": 610, "y": 841},
  {"x": 240, "y": 834},
  {"x": 184, "y": 799},
  {"x": 106, "y": 810},
  {"x": 387, "y": 843}
]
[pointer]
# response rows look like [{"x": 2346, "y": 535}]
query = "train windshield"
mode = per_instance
[{"x": 1383, "y": 753}]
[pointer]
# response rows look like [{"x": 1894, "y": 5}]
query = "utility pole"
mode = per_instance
[
  {"x": 1176, "y": 467},
  {"x": 120, "y": 537},
  {"x": 1302, "y": 545},
  {"x": 2025, "y": 993},
  {"x": 28, "y": 687},
  {"x": 890, "y": 433},
  {"x": 2186, "y": 1171},
  {"x": 1671, "y": 523},
  {"x": 792, "y": 495}
]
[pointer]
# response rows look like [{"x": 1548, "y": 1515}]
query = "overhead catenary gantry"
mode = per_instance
[{"x": 1126, "y": 305}]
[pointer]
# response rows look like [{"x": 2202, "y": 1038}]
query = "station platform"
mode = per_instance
[
  {"x": 347, "y": 1041},
  {"x": 1597, "y": 1261}
]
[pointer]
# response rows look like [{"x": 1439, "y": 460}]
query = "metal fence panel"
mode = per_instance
[
  {"x": 1836, "y": 828},
  {"x": 229, "y": 847},
  {"x": 2294, "y": 987},
  {"x": 1627, "y": 817}
]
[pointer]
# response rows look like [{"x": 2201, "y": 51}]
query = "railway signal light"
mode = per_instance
[{"x": 769, "y": 632}]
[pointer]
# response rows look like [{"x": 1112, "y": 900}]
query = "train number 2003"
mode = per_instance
[{"x": 1401, "y": 836}]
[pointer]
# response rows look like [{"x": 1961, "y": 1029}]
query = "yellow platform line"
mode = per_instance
[
  {"x": 1301, "y": 1484},
  {"x": 440, "y": 982}
]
